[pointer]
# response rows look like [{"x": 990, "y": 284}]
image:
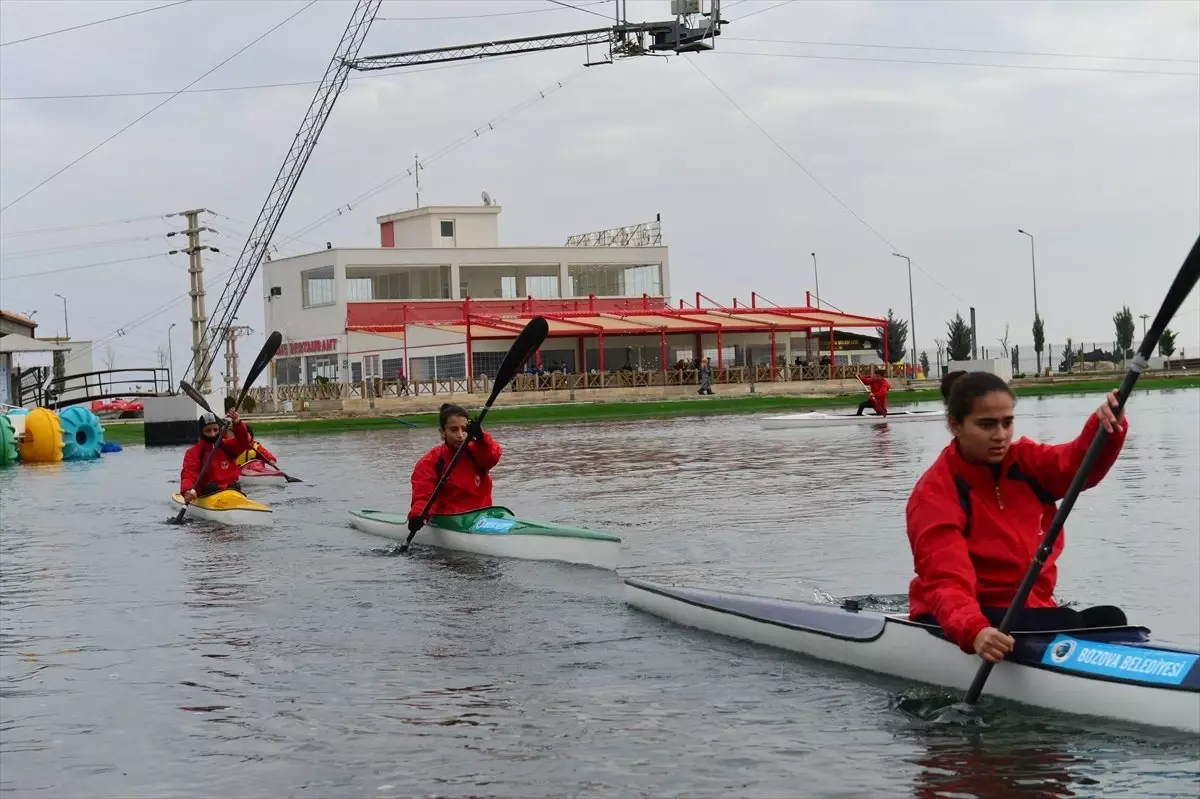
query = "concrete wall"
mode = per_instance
[{"x": 1001, "y": 367}]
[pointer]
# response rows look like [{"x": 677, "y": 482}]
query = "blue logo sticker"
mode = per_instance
[
  {"x": 1116, "y": 660},
  {"x": 490, "y": 524}
]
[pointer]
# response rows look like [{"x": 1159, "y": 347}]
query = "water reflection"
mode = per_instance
[{"x": 974, "y": 767}]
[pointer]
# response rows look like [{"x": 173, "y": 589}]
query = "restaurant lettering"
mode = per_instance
[{"x": 314, "y": 345}]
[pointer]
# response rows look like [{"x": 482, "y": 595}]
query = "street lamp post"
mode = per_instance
[
  {"x": 66, "y": 323},
  {"x": 1033, "y": 265},
  {"x": 912, "y": 314},
  {"x": 170, "y": 358},
  {"x": 816, "y": 280}
]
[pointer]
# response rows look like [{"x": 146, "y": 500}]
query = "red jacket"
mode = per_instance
[
  {"x": 973, "y": 535},
  {"x": 879, "y": 387},
  {"x": 469, "y": 486},
  {"x": 223, "y": 469}
]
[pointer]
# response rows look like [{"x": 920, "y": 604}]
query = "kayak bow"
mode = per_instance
[
  {"x": 226, "y": 507},
  {"x": 496, "y": 531},
  {"x": 817, "y": 419},
  {"x": 1113, "y": 672}
]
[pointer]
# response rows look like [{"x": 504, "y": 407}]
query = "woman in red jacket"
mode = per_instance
[
  {"x": 977, "y": 516},
  {"x": 879, "y": 387},
  {"x": 223, "y": 471},
  {"x": 469, "y": 486}
]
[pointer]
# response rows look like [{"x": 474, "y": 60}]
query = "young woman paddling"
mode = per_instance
[
  {"x": 977, "y": 516},
  {"x": 222, "y": 472},
  {"x": 469, "y": 486}
]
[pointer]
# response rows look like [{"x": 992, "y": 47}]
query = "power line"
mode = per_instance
[
  {"x": 964, "y": 64},
  {"x": 249, "y": 87},
  {"x": 87, "y": 245},
  {"x": 276, "y": 27},
  {"x": 482, "y": 16},
  {"x": 580, "y": 8},
  {"x": 762, "y": 10},
  {"x": 80, "y": 266},
  {"x": 814, "y": 178},
  {"x": 963, "y": 50},
  {"x": 61, "y": 228},
  {"x": 441, "y": 153},
  {"x": 92, "y": 24}
]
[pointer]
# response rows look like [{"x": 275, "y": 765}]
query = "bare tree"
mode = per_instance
[
  {"x": 163, "y": 357},
  {"x": 1004, "y": 341},
  {"x": 109, "y": 359}
]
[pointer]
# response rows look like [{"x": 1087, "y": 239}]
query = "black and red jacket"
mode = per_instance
[
  {"x": 469, "y": 486},
  {"x": 879, "y": 387},
  {"x": 974, "y": 530},
  {"x": 222, "y": 470}
]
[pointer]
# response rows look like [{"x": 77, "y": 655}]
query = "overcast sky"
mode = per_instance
[{"x": 943, "y": 162}]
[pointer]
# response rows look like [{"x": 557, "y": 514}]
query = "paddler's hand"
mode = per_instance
[
  {"x": 415, "y": 524},
  {"x": 233, "y": 416},
  {"x": 474, "y": 431},
  {"x": 190, "y": 495},
  {"x": 1108, "y": 414},
  {"x": 993, "y": 645}
]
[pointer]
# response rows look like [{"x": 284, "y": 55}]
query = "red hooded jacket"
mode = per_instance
[
  {"x": 974, "y": 534},
  {"x": 222, "y": 469},
  {"x": 469, "y": 486},
  {"x": 879, "y": 387}
]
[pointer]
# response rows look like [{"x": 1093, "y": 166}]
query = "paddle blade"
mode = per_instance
[
  {"x": 269, "y": 348},
  {"x": 190, "y": 390},
  {"x": 527, "y": 342}
]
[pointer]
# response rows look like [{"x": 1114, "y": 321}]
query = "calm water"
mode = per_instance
[{"x": 139, "y": 659}]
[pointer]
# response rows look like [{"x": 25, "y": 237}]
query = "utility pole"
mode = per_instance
[
  {"x": 1144, "y": 317},
  {"x": 196, "y": 288},
  {"x": 170, "y": 358},
  {"x": 231, "y": 358},
  {"x": 1033, "y": 267},
  {"x": 912, "y": 315},
  {"x": 417, "y": 174},
  {"x": 816, "y": 280}
]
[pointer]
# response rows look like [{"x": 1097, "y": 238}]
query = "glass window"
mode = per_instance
[
  {"x": 485, "y": 281},
  {"x": 323, "y": 366},
  {"x": 398, "y": 282},
  {"x": 447, "y": 228},
  {"x": 318, "y": 287},
  {"x": 356, "y": 372},
  {"x": 615, "y": 280},
  {"x": 287, "y": 371}
]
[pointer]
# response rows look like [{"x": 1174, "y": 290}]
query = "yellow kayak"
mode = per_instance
[{"x": 226, "y": 507}]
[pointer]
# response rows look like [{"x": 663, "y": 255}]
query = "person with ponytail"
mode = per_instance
[
  {"x": 977, "y": 516},
  {"x": 469, "y": 486}
]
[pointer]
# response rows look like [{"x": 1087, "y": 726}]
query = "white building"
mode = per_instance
[{"x": 346, "y": 312}]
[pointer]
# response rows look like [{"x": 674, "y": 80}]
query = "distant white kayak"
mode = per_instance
[{"x": 817, "y": 419}]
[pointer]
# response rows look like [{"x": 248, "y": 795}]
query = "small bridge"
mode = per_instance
[{"x": 60, "y": 392}]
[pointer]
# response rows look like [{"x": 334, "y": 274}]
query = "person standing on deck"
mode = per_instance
[
  {"x": 977, "y": 516},
  {"x": 879, "y": 387},
  {"x": 469, "y": 486},
  {"x": 223, "y": 471},
  {"x": 705, "y": 377}
]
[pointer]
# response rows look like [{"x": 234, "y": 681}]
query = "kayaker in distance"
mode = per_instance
[
  {"x": 977, "y": 516},
  {"x": 256, "y": 451},
  {"x": 223, "y": 471},
  {"x": 879, "y": 387},
  {"x": 469, "y": 486}
]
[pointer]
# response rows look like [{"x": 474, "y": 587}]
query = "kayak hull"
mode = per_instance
[
  {"x": 497, "y": 532},
  {"x": 226, "y": 507},
  {"x": 791, "y": 420},
  {"x": 260, "y": 473},
  {"x": 1059, "y": 671}
]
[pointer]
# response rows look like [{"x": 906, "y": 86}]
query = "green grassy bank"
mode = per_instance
[{"x": 131, "y": 433}]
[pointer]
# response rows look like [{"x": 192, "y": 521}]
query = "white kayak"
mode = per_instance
[
  {"x": 817, "y": 419},
  {"x": 1112, "y": 672},
  {"x": 261, "y": 473},
  {"x": 226, "y": 507},
  {"x": 496, "y": 531}
]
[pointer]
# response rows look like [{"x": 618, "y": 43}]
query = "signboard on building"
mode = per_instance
[{"x": 309, "y": 347}]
